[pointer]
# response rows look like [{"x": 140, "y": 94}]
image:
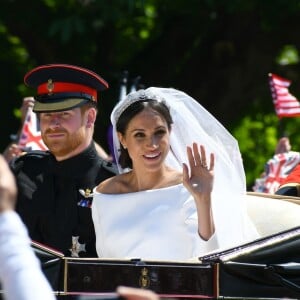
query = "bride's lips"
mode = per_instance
[{"x": 152, "y": 155}]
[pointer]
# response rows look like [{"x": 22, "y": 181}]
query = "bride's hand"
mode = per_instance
[{"x": 200, "y": 179}]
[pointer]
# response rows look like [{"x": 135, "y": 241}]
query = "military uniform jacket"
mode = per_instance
[{"x": 54, "y": 198}]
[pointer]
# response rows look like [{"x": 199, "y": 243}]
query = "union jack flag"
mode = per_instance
[
  {"x": 30, "y": 136},
  {"x": 286, "y": 105},
  {"x": 276, "y": 170}
]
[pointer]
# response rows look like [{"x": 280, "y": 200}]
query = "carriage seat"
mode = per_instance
[{"x": 273, "y": 213}]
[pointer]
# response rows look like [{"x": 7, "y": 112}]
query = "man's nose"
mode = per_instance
[{"x": 54, "y": 122}]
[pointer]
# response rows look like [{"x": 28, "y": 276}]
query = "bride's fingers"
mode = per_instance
[
  {"x": 197, "y": 157},
  {"x": 203, "y": 157},
  {"x": 190, "y": 156},
  {"x": 212, "y": 162}
]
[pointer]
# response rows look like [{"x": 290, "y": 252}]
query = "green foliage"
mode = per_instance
[
  {"x": 66, "y": 28},
  {"x": 218, "y": 51},
  {"x": 257, "y": 137},
  {"x": 288, "y": 56}
]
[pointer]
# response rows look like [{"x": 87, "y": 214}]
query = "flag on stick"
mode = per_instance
[
  {"x": 286, "y": 105},
  {"x": 30, "y": 136}
]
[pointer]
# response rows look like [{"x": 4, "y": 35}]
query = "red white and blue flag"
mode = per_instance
[
  {"x": 276, "y": 170},
  {"x": 30, "y": 136},
  {"x": 286, "y": 105}
]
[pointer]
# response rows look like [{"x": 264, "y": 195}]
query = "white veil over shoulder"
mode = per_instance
[{"x": 193, "y": 123}]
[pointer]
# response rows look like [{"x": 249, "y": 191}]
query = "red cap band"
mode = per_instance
[{"x": 63, "y": 87}]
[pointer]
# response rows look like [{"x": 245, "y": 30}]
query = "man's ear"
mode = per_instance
[{"x": 91, "y": 117}]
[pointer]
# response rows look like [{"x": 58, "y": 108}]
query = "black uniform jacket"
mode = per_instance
[{"x": 54, "y": 198}]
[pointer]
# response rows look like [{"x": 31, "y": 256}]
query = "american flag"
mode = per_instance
[
  {"x": 286, "y": 105},
  {"x": 30, "y": 136}
]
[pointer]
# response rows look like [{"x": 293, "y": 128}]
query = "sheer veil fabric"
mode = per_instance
[{"x": 193, "y": 123}]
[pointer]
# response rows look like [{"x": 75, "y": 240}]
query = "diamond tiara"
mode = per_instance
[{"x": 140, "y": 95}]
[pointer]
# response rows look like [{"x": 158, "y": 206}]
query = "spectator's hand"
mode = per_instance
[
  {"x": 13, "y": 150},
  {"x": 8, "y": 189},
  {"x": 283, "y": 145},
  {"x": 102, "y": 153},
  {"x": 136, "y": 293},
  {"x": 27, "y": 102}
]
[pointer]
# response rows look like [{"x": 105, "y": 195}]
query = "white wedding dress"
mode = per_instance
[{"x": 159, "y": 224}]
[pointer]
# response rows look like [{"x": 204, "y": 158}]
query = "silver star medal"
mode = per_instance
[{"x": 76, "y": 247}]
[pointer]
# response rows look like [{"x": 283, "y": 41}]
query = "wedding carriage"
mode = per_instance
[{"x": 266, "y": 268}]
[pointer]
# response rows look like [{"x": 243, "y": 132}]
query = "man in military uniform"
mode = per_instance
[{"x": 55, "y": 187}]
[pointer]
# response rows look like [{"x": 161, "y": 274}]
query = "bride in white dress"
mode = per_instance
[{"x": 181, "y": 179}]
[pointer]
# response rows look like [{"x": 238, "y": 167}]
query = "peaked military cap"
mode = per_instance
[{"x": 63, "y": 87}]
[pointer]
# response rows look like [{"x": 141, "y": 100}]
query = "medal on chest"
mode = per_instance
[{"x": 86, "y": 201}]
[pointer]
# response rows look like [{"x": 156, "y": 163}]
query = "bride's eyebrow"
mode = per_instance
[
  {"x": 136, "y": 129},
  {"x": 142, "y": 129}
]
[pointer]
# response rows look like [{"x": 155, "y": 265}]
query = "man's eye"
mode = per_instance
[
  {"x": 66, "y": 114},
  {"x": 45, "y": 115}
]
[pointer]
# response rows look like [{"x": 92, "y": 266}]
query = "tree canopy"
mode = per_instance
[{"x": 220, "y": 52}]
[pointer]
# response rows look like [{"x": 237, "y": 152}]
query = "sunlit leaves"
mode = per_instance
[
  {"x": 289, "y": 55},
  {"x": 257, "y": 137}
]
